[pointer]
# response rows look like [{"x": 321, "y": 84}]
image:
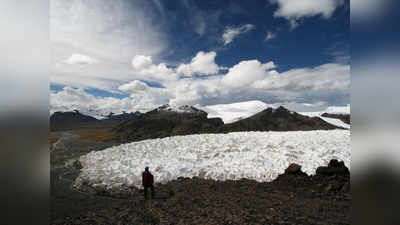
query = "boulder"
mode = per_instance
[
  {"x": 334, "y": 168},
  {"x": 294, "y": 169}
]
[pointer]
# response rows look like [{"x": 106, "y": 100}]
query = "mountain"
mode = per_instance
[
  {"x": 279, "y": 119},
  {"x": 113, "y": 119},
  {"x": 166, "y": 121},
  {"x": 71, "y": 120}
]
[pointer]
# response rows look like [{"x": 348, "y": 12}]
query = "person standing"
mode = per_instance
[{"x": 148, "y": 182}]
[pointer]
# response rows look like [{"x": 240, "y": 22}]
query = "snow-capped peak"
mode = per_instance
[{"x": 179, "y": 109}]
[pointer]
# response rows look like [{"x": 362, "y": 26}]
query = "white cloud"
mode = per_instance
[
  {"x": 141, "y": 62},
  {"x": 270, "y": 35},
  {"x": 245, "y": 73},
  {"x": 143, "y": 67},
  {"x": 298, "y": 89},
  {"x": 79, "y": 59},
  {"x": 325, "y": 78},
  {"x": 78, "y": 81},
  {"x": 294, "y": 10},
  {"x": 339, "y": 109},
  {"x": 77, "y": 98},
  {"x": 231, "y": 33},
  {"x": 249, "y": 80},
  {"x": 194, "y": 90},
  {"x": 139, "y": 89},
  {"x": 202, "y": 64},
  {"x": 111, "y": 32},
  {"x": 134, "y": 87}
]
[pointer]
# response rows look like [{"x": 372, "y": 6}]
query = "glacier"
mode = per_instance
[
  {"x": 333, "y": 121},
  {"x": 260, "y": 156}
]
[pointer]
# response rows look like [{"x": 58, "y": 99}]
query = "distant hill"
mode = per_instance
[
  {"x": 72, "y": 120},
  {"x": 279, "y": 119},
  {"x": 167, "y": 121}
]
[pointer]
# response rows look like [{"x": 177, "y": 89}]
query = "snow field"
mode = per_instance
[
  {"x": 260, "y": 156},
  {"x": 333, "y": 121}
]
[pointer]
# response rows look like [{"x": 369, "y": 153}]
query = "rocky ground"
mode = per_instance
[{"x": 293, "y": 198}]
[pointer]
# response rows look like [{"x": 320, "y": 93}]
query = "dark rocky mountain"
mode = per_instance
[
  {"x": 114, "y": 119},
  {"x": 279, "y": 119},
  {"x": 61, "y": 121},
  {"x": 166, "y": 121},
  {"x": 71, "y": 120},
  {"x": 343, "y": 117}
]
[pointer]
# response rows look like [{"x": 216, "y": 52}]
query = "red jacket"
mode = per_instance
[{"x": 147, "y": 178}]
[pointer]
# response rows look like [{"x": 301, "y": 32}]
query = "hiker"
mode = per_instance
[{"x": 148, "y": 182}]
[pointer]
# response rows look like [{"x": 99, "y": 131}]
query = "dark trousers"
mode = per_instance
[{"x": 145, "y": 190}]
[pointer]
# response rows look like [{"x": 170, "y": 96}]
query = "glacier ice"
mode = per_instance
[{"x": 260, "y": 156}]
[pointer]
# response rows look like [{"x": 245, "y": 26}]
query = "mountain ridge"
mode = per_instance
[{"x": 167, "y": 120}]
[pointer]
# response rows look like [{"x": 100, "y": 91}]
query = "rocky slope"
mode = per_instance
[
  {"x": 279, "y": 119},
  {"x": 167, "y": 121}
]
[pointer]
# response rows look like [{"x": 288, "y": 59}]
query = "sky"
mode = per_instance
[{"x": 134, "y": 55}]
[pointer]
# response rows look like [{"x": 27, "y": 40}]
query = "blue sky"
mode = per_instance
[
  {"x": 309, "y": 45},
  {"x": 134, "y": 55}
]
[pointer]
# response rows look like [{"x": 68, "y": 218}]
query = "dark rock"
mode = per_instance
[
  {"x": 293, "y": 169},
  {"x": 334, "y": 168},
  {"x": 336, "y": 163}
]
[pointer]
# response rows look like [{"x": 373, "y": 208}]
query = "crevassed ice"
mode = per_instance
[{"x": 261, "y": 156}]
